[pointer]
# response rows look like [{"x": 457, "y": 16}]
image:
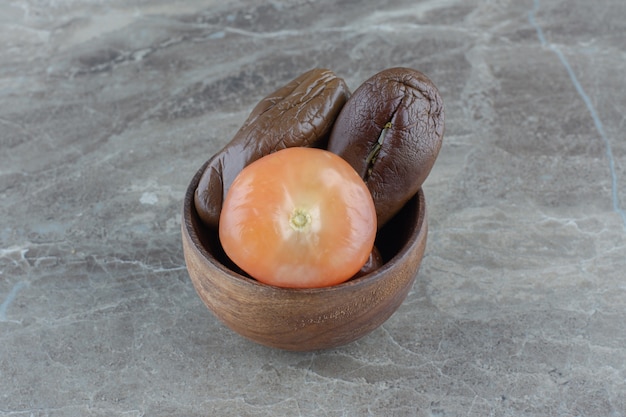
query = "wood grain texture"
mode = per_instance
[{"x": 305, "y": 319}]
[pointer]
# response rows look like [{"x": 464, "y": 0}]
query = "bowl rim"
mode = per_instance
[{"x": 414, "y": 237}]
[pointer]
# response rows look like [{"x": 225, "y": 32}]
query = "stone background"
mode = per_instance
[{"x": 107, "y": 109}]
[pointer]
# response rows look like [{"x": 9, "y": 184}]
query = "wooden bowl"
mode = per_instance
[{"x": 305, "y": 319}]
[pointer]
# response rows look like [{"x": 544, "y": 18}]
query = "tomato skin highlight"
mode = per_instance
[{"x": 298, "y": 218}]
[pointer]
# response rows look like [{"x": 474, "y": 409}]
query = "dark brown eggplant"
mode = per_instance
[
  {"x": 390, "y": 131},
  {"x": 374, "y": 262},
  {"x": 299, "y": 114}
]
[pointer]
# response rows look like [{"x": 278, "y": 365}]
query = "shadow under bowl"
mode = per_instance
[{"x": 305, "y": 319}]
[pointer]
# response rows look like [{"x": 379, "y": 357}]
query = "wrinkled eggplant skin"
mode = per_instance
[
  {"x": 412, "y": 104},
  {"x": 299, "y": 114}
]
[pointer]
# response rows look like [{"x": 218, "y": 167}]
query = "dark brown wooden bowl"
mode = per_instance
[{"x": 305, "y": 319}]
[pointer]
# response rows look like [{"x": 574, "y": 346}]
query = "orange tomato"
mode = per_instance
[{"x": 300, "y": 218}]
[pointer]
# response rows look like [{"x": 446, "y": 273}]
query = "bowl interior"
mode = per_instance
[{"x": 392, "y": 240}]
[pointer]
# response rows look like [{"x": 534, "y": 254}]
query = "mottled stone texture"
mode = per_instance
[{"x": 108, "y": 108}]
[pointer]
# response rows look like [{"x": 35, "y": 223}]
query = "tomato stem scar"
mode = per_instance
[
  {"x": 299, "y": 219},
  {"x": 371, "y": 157}
]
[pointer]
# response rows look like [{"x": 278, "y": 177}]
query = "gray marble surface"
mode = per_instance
[{"x": 108, "y": 108}]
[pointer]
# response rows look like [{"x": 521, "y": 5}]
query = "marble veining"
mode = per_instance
[
  {"x": 107, "y": 109},
  {"x": 592, "y": 111}
]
